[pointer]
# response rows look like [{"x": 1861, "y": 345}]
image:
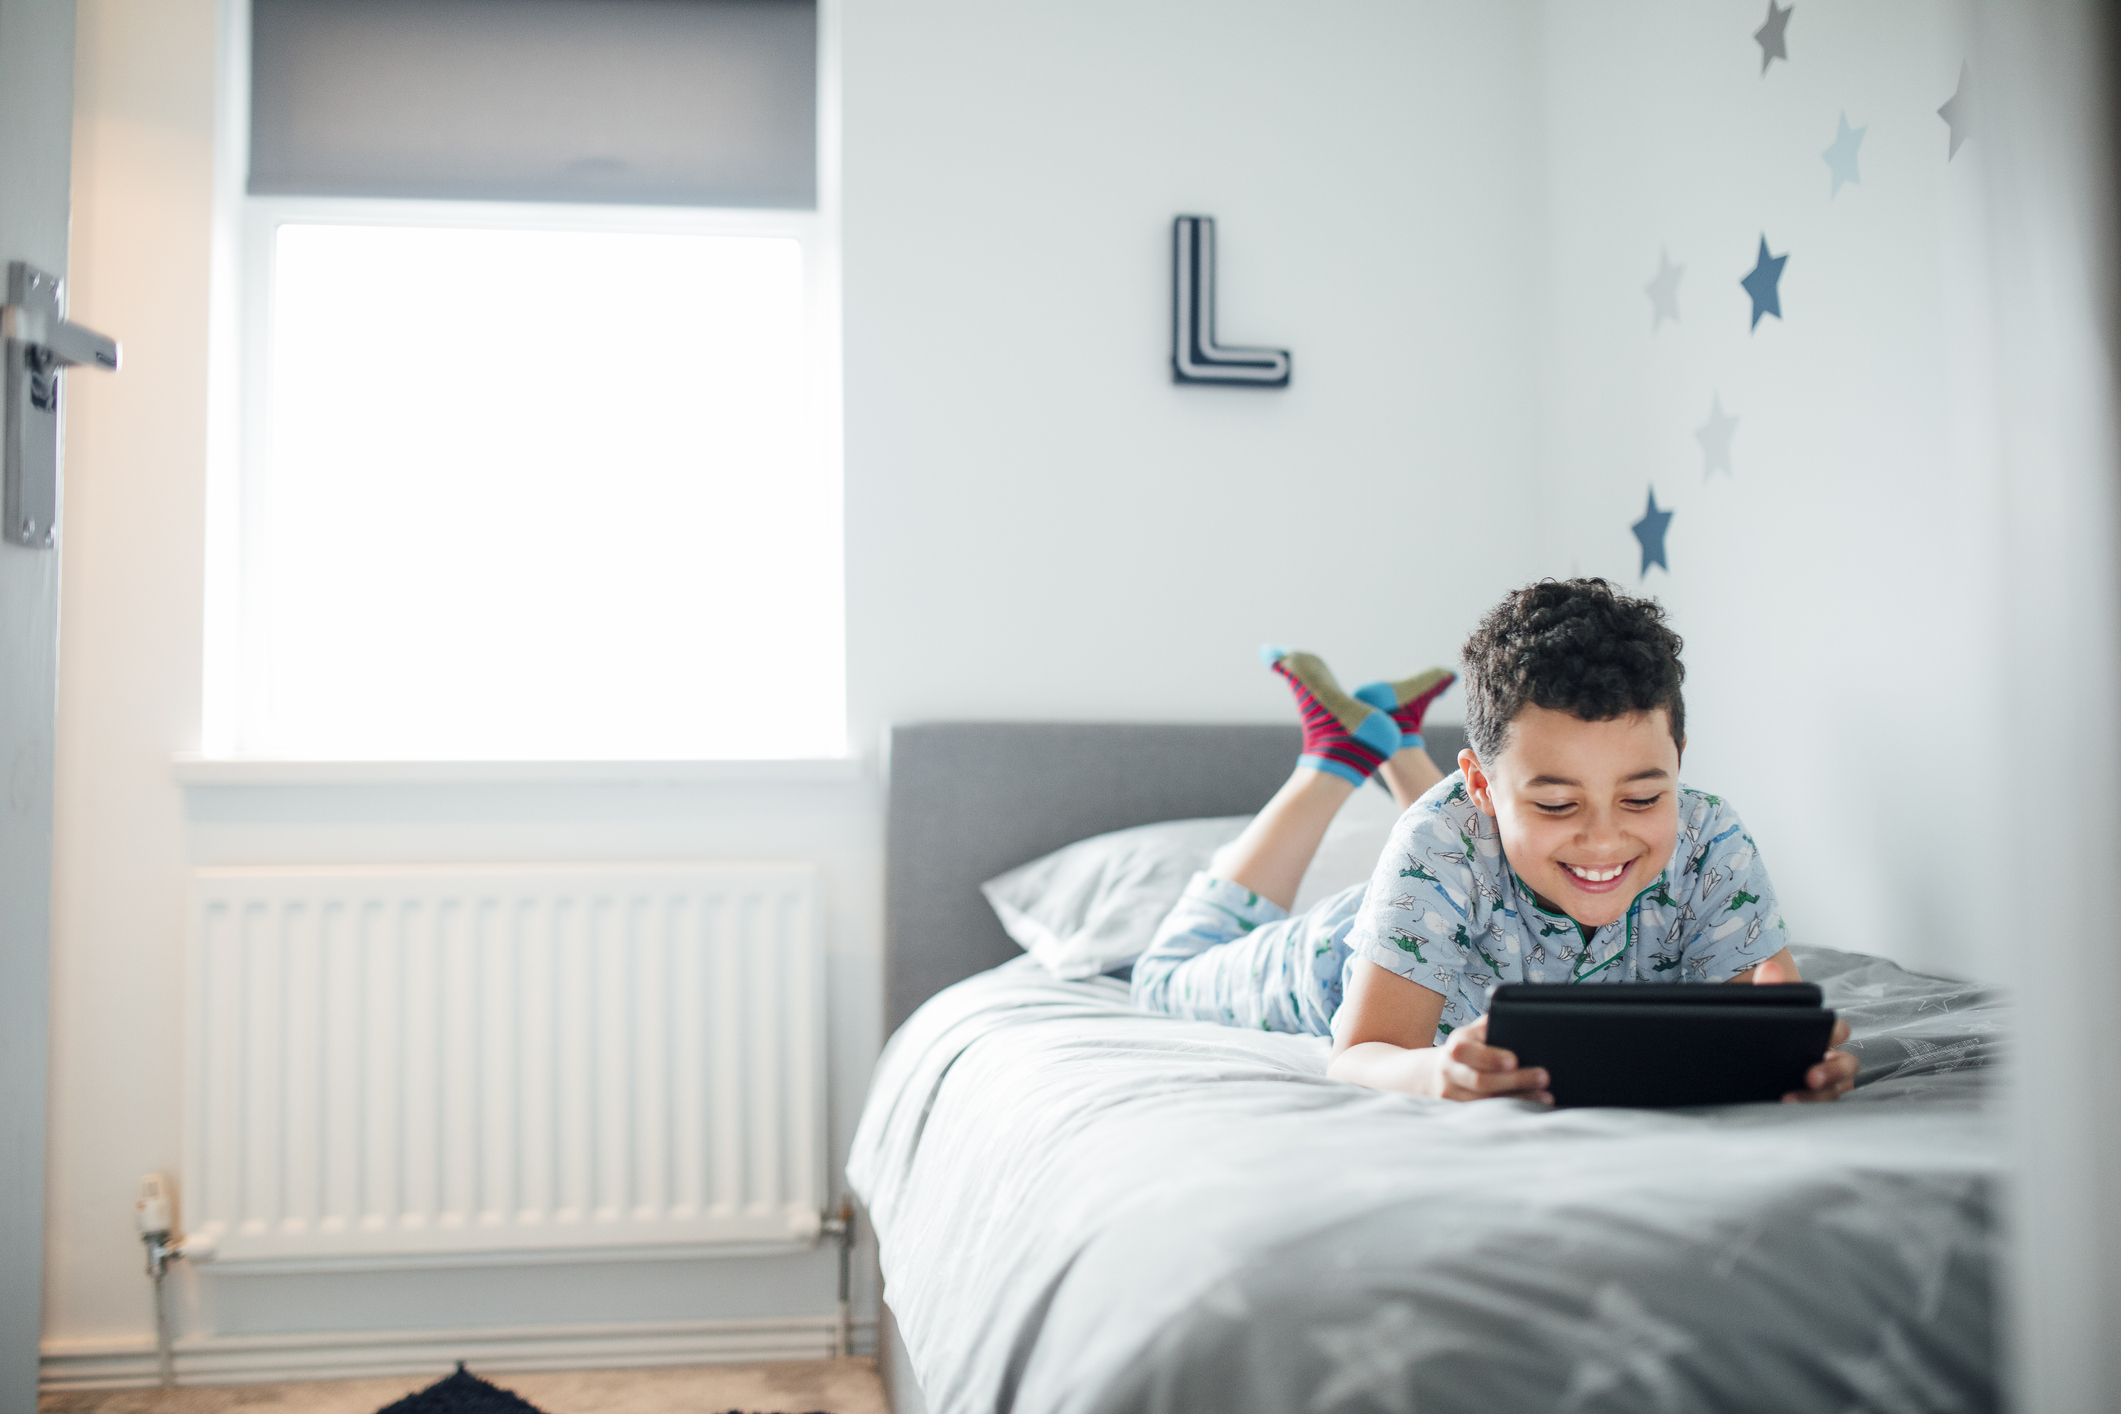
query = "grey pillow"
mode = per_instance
[{"x": 1093, "y": 906}]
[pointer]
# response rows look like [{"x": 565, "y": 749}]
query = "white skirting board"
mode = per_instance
[{"x": 261, "y": 1359}]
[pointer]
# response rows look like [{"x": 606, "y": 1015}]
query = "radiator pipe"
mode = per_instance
[
  {"x": 160, "y": 1253},
  {"x": 841, "y": 1227}
]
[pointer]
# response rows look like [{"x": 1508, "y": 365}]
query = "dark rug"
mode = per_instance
[
  {"x": 465, "y": 1393},
  {"x": 462, "y": 1393}
]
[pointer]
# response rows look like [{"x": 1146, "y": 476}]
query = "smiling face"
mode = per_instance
[{"x": 1588, "y": 811}]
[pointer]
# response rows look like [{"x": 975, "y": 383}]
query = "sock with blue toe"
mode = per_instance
[
  {"x": 1342, "y": 736},
  {"x": 1407, "y": 700}
]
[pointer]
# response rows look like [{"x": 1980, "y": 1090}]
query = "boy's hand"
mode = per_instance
[
  {"x": 1468, "y": 1068},
  {"x": 1833, "y": 1077},
  {"x": 1381, "y": 1039}
]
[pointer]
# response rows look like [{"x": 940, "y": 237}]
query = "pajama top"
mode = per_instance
[{"x": 1445, "y": 909}]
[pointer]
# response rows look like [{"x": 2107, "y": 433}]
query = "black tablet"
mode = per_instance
[{"x": 1652, "y": 1045}]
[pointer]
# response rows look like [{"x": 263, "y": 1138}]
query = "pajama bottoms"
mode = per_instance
[{"x": 1226, "y": 954}]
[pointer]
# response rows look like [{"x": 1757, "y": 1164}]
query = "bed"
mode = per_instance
[{"x": 1080, "y": 1207}]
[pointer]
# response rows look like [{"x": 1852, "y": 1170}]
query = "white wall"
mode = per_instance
[
  {"x": 1841, "y": 591},
  {"x": 129, "y": 641},
  {"x": 1039, "y": 524}
]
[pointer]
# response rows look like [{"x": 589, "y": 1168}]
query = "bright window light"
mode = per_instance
[{"x": 542, "y": 494}]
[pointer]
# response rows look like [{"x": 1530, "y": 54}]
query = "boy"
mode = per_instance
[{"x": 1563, "y": 849}]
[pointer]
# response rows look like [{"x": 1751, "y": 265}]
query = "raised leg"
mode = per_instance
[
  {"x": 1347, "y": 736},
  {"x": 1270, "y": 857},
  {"x": 1409, "y": 772},
  {"x": 1229, "y": 951}
]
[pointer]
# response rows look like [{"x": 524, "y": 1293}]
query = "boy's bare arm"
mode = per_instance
[
  {"x": 1779, "y": 968},
  {"x": 1383, "y": 1037},
  {"x": 1835, "y": 1075}
]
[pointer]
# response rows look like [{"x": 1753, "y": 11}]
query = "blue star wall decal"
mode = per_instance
[
  {"x": 1764, "y": 283},
  {"x": 1841, "y": 157},
  {"x": 1649, "y": 532},
  {"x": 1769, "y": 35}
]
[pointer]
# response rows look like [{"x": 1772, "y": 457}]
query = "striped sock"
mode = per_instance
[
  {"x": 1347, "y": 738},
  {"x": 1407, "y": 700}
]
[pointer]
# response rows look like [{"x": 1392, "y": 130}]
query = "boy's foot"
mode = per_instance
[
  {"x": 1343, "y": 736},
  {"x": 1407, "y": 700}
]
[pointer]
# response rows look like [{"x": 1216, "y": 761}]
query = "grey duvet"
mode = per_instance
[{"x": 1081, "y": 1207}]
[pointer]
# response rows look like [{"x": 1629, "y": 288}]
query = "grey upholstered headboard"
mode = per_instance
[{"x": 967, "y": 800}]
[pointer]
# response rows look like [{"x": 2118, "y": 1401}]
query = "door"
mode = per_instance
[{"x": 36, "y": 159}]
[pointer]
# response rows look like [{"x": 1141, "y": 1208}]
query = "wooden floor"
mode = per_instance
[{"x": 795, "y": 1387}]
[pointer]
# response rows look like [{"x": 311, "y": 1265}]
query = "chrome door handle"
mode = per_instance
[{"x": 40, "y": 343}]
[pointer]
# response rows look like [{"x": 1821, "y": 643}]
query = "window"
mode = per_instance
[{"x": 551, "y": 471}]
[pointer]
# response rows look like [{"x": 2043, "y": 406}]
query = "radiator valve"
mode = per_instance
[{"x": 154, "y": 1217}]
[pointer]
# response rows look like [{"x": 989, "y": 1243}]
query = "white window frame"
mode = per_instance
[{"x": 240, "y": 420}]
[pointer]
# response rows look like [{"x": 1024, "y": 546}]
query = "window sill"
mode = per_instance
[{"x": 193, "y": 770}]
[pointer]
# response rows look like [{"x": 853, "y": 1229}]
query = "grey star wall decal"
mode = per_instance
[
  {"x": 1649, "y": 533},
  {"x": 1764, "y": 283},
  {"x": 1769, "y": 35},
  {"x": 1715, "y": 439},
  {"x": 1664, "y": 291},
  {"x": 1958, "y": 112},
  {"x": 1841, "y": 155}
]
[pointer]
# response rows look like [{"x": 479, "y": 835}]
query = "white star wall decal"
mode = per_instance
[
  {"x": 1715, "y": 439},
  {"x": 1663, "y": 291},
  {"x": 1841, "y": 155},
  {"x": 1377, "y": 1359}
]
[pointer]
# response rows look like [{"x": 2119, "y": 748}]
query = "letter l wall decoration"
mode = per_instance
[{"x": 1195, "y": 356}]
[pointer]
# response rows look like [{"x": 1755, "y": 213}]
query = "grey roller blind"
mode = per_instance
[{"x": 665, "y": 102}]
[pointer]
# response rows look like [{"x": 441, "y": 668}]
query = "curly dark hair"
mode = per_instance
[{"x": 1570, "y": 645}]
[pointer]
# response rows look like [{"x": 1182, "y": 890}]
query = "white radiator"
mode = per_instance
[{"x": 421, "y": 1065}]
